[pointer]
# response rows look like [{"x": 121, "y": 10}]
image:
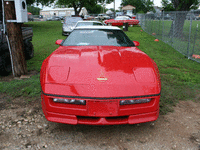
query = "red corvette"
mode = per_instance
[
  {"x": 99, "y": 77},
  {"x": 119, "y": 20}
]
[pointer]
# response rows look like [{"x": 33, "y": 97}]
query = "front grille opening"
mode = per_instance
[
  {"x": 86, "y": 118},
  {"x": 118, "y": 118}
]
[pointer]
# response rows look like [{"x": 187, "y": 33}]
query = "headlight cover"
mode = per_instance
[
  {"x": 69, "y": 101},
  {"x": 135, "y": 101}
]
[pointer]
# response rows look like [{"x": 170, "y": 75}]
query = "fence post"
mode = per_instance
[
  {"x": 195, "y": 39},
  {"x": 163, "y": 27},
  {"x": 173, "y": 32},
  {"x": 188, "y": 48}
]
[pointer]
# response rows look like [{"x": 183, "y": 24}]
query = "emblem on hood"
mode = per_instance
[{"x": 102, "y": 78}]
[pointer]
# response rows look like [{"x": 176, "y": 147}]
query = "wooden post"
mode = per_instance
[{"x": 14, "y": 33}]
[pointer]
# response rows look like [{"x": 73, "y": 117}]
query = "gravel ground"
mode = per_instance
[{"x": 23, "y": 126}]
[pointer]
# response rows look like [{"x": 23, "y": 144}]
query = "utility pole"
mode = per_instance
[
  {"x": 114, "y": 8},
  {"x": 14, "y": 33}
]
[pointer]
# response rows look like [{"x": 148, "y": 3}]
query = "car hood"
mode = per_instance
[
  {"x": 71, "y": 24},
  {"x": 100, "y": 71}
]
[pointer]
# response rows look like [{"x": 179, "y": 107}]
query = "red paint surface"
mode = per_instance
[
  {"x": 73, "y": 71},
  {"x": 121, "y": 22}
]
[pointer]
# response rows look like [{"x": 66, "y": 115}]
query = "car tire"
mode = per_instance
[
  {"x": 5, "y": 64},
  {"x": 29, "y": 50}
]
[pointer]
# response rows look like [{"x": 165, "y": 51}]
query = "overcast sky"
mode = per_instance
[{"x": 118, "y": 2}]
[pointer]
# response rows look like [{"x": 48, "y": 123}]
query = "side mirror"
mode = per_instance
[
  {"x": 136, "y": 43},
  {"x": 58, "y": 42}
]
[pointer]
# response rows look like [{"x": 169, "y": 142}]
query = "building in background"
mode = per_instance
[
  {"x": 128, "y": 10},
  {"x": 61, "y": 12}
]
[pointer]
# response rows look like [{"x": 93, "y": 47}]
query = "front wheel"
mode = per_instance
[
  {"x": 29, "y": 50},
  {"x": 5, "y": 64}
]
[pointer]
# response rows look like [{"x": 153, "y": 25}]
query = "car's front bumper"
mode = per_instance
[
  {"x": 113, "y": 114},
  {"x": 66, "y": 32}
]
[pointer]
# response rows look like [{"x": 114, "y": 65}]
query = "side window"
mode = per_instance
[{"x": 98, "y": 24}]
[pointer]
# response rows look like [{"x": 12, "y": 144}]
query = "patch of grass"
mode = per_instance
[
  {"x": 44, "y": 36},
  {"x": 26, "y": 87},
  {"x": 161, "y": 30},
  {"x": 179, "y": 76}
]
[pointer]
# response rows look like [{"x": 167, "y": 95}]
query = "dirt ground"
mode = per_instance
[{"x": 23, "y": 126}]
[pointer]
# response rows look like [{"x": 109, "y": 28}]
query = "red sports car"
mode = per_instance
[
  {"x": 98, "y": 76},
  {"x": 119, "y": 20}
]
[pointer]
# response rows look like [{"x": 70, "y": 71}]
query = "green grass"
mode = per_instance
[
  {"x": 162, "y": 28},
  {"x": 179, "y": 76},
  {"x": 44, "y": 36}
]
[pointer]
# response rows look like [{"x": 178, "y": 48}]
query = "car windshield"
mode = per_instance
[
  {"x": 88, "y": 24},
  {"x": 72, "y": 19},
  {"x": 97, "y": 37},
  {"x": 122, "y": 18}
]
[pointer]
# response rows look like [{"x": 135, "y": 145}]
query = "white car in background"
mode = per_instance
[
  {"x": 69, "y": 24},
  {"x": 88, "y": 23}
]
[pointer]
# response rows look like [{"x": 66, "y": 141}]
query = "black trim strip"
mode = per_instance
[{"x": 101, "y": 98}]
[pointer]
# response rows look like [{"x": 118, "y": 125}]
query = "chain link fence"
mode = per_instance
[{"x": 180, "y": 29}]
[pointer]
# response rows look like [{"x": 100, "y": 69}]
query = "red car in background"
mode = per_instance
[
  {"x": 119, "y": 20},
  {"x": 98, "y": 76}
]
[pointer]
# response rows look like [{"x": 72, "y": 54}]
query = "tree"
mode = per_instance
[
  {"x": 94, "y": 9},
  {"x": 179, "y": 18},
  {"x": 43, "y": 2},
  {"x": 79, "y": 4},
  {"x": 33, "y": 10},
  {"x": 167, "y": 6},
  {"x": 141, "y": 5},
  {"x": 15, "y": 39}
]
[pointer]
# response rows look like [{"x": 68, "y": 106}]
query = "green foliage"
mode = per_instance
[
  {"x": 167, "y": 5},
  {"x": 43, "y": 2},
  {"x": 33, "y": 10},
  {"x": 78, "y": 4},
  {"x": 180, "y": 5},
  {"x": 141, "y": 5},
  {"x": 94, "y": 9}
]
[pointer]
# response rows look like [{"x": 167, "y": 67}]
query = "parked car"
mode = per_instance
[
  {"x": 30, "y": 17},
  {"x": 131, "y": 16},
  {"x": 88, "y": 23},
  {"x": 98, "y": 76},
  {"x": 69, "y": 24},
  {"x": 62, "y": 17},
  {"x": 88, "y": 17},
  {"x": 197, "y": 17},
  {"x": 190, "y": 16},
  {"x": 167, "y": 17},
  {"x": 102, "y": 17},
  {"x": 119, "y": 20},
  {"x": 54, "y": 18}
]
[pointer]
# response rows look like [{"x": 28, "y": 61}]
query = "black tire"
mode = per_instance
[
  {"x": 5, "y": 64},
  {"x": 29, "y": 50}
]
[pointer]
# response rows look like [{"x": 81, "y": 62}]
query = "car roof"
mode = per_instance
[
  {"x": 98, "y": 27},
  {"x": 89, "y": 21}
]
